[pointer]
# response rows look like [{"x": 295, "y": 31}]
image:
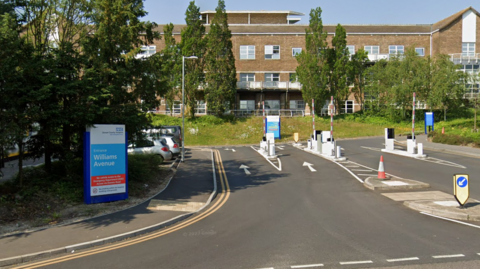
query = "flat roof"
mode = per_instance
[{"x": 288, "y": 12}]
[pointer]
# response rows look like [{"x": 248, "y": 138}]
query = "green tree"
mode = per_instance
[
  {"x": 357, "y": 74},
  {"x": 171, "y": 67},
  {"x": 312, "y": 69},
  {"x": 338, "y": 62},
  {"x": 193, "y": 44},
  {"x": 220, "y": 69}
]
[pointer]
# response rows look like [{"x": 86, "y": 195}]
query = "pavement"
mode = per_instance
[{"x": 188, "y": 192}]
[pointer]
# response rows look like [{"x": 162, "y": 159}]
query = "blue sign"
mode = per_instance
[
  {"x": 429, "y": 122},
  {"x": 462, "y": 182},
  {"x": 273, "y": 125}
]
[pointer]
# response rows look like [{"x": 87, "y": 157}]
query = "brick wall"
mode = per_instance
[
  {"x": 450, "y": 38},
  {"x": 384, "y": 41},
  {"x": 268, "y": 18}
]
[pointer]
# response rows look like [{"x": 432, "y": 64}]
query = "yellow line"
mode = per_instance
[{"x": 218, "y": 204}]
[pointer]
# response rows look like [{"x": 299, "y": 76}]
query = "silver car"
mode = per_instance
[
  {"x": 173, "y": 143},
  {"x": 157, "y": 146}
]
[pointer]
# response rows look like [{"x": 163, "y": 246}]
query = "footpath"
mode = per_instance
[
  {"x": 190, "y": 190},
  {"x": 435, "y": 203}
]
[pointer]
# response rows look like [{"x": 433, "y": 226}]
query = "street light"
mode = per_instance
[{"x": 183, "y": 103}]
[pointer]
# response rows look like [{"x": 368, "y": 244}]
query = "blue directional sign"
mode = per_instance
[{"x": 461, "y": 188}]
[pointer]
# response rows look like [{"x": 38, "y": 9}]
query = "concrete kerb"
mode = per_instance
[
  {"x": 330, "y": 158},
  {"x": 428, "y": 206},
  {"x": 69, "y": 249},
  {"x": 374, "y": 183}
]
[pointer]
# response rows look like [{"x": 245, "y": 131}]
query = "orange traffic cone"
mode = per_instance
[
  {"x": 381, "y": 169},
  {"x": 443, "y": 130}
]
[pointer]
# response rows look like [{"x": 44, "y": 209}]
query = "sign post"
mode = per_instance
[
  {"x": 429, "y": 122},
  {"x": 461, "y": 188},
  {"x": 105, "y": 163}
]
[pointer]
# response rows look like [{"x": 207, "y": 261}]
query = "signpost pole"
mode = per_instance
[
  {"x": 264, "y": 127},
  {"x": 331, "y": 117},
  {"x": 313, "y": 114},
  {"x": 413, "y": 119}
]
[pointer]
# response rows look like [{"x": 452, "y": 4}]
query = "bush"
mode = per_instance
[{"x": 141, "y": 167}]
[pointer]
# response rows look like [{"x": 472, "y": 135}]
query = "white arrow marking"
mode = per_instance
[
  {"x": 231, "y": 150},
  {"x": 244, "y": 167},
  {"x": 309, "y": 166}
]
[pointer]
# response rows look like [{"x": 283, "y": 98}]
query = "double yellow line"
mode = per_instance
[{"x": 222, "y": 197}]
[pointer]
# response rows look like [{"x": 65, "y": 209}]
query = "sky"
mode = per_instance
[{"x": 334, "y": 11}]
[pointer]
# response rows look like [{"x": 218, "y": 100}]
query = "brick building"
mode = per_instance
[{"x": 265, "y": 44}]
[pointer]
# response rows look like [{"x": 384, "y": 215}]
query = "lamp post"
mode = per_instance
[{"x": 183, "y": 103}]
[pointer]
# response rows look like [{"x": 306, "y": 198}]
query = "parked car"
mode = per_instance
[
  {"x": 155, "y": 146},
  {"x": 173, "y": 143},
  {"x": 175, "y": 130}
]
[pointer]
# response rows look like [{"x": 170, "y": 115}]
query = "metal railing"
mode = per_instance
[
  {"x": 465, "y": 57},
  {"x": 258, "y": 85},
  {"x": 268, "y": 112}
]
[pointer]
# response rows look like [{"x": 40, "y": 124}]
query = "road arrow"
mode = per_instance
[
  {"x": 244, "y": 167},
  {"x": 309, "y": 166},
  {"x": 231, "y": 150}
]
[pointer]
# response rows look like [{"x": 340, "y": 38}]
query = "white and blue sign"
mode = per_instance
[
  {"x": 105, "y": 164},
  {"x": 462, "y": 182},
  {"x": 273, "y": 125},
  {"x": 429, "y": 122},
  {"x": 461, "y": 188}
]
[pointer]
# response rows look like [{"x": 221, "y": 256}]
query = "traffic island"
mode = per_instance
[
  {"x": 447, "y": 209},
  {"x": 391, "y": 184}
]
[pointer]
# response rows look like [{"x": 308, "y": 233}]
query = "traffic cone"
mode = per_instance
[
  {"x": 381, "y": 169},
  {"x": 443, "y": 130}
]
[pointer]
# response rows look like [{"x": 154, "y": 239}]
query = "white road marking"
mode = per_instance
[
  {"x": 233, "y": 150},
  {"x": 360, "y": 170},
  {"x": 355, "y": 262},
  {"x": 351, "y": 173},
  {"x": 309, "y": 166},
  {"x": 448, "y": 256},
  {"x": 368, "y": 175},
  {"x": 244, "y": 167},
  {"x": 279, "y": 167},
  {"x": 351, "y": 166},
  {"x": 307, "y": 266},
  {"x": 452, "y": 220},
  {"x": 404, "y": 259},
  {"x": 374, "y": 149}
]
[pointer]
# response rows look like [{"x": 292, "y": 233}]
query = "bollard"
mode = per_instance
[
  {"x": 309, "y": 144},
  {"x": 420, "y": 149},
  {"x": 268, "y": 148},
  {"x": 339, "y": 152}
]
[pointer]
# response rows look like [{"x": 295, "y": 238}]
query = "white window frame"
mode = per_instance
[
  {"x": 346, "y": 106},
  {"x": 247, "y": 52},
  {"x": 396, "y": 49},
  {"x": 299, "y": 50},
  {"x": 248, "y": 76},
  {"x": 272, "y": 77},
  {"x": 468, "y": 48},
  {"x": 201, "y": 107},
  {"x": 147, "y": 51},
  {"x": 272, "y": 52},
  {"x": 297, "y": 104},
  {"x": 272, "y": 104},
  {"x": 247, "y": 104},
  {"x": 352, "y": 51},
  {"x": 370, "y": 49},
  {"x": 423, "y": 51}
]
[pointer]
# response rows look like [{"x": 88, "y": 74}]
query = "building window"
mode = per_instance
[
  {"x": 147, "y": 51},
  {"x": 272, "y": 77},
  {"x": 297, "y": 104},
  {"x": 247, "y": 77},
  {"x": 272, "y": 52},
  {"x": 201, "y": 107},
  {"x": 470, "y": 68},
  {"x": 372, "y": 50},
  {"x": 396, "y": 49},
  {"x": 351, "y": 49},
  {"x": 296, "y": 51},
  {"x": 349, "y": 106},
  {"x": 272, "y": 104},
  {"x": 247, "y": 52},
  {"x": 468, "y": 49},
  {"x": 247, "y": 104},
  {"x": 420, "y": 51}
]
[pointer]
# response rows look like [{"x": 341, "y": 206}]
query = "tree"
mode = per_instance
[
  {"x": 338, "y": 62},
  {"x": 357, "y": 74},
  {"x": 312, "y": 69},
  {"x": 220, "y": 69},
  {"x": 171, "y": 67},
  {"x": 193, "y": 44}
]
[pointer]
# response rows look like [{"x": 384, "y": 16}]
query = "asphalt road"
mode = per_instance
[{"x": 295, "y": 217}]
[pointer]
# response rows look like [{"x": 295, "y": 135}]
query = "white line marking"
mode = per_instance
[
  {"x": 368, "y": 175},
  {"x": 351, "y": 173},
  {"x": 360, "y": 170},
  {"x": 448, "y": 256},
  {"x": 351, "y": 166},
  {"x": 279, "y": 168},
  {"x": 452, "y": 220},
  {"x": 404, "y": 259},
  {"x": 307, "y": 266},
  {"x": 355, "y": 262}
]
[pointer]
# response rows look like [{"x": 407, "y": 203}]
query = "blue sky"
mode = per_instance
[{"x": 339, "y": 11}]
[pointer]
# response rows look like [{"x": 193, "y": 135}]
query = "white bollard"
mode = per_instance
[
  {"x": 339, "y": 152},
  {"x": 271, "y": 151},
  {"x": 420, "y": 149},
  {"x": 309, "y": 144}
]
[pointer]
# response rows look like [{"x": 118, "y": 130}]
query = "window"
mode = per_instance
[
  {"x": 293, "y": 77},
  {"x": 351, "y": 49},
  {"x": 420, "y": 51},
  {"x": 272, "y": 104},
  {"x": 468, "y": 49},
  {"x": 201, "y": 107},
  {"x": 272, "y": 77},
  {"x": 297, "y": 104},
  {"x": 177, "y": 107},
  {"x": 396, "y": 49},
  {"x": 372, "y": 50},
  {"x": 349, "y": 106},
  {"x": 247, "y": 104},
  {"x": 272, "y": 52},
  {"x": 247, "y": 52},
  {"x": 247, "y": 77},
  {"x": 470, "y": 68},
  {"x": 147, "y": 51},
  {"x": 296, "y": 51}
]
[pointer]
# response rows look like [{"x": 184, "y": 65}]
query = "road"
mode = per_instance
[{"x": 296, "y": 218}]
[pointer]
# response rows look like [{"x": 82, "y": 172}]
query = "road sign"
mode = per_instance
[
  {"x": 461, "y": 188},
  {"x": 295, "y": 137}
]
